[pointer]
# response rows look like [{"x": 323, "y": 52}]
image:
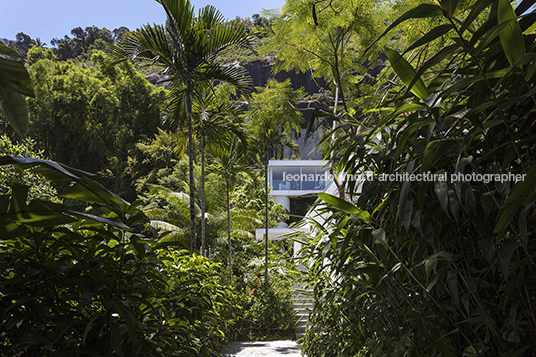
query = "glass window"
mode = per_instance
[
  {"x": 308, "y": 177},
  {"x": 293, "y": 178},
  {"x": 298, "y": 178},
  {"x": 322, "y": 179},
  {"x": 278, "y": 178}
]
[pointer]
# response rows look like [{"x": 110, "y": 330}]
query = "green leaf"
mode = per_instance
[
  {"x": 88, "y": 328},
  {"x": 430, "y": 261},
  {"x": 86, "y": 187},
  {"x": 531, "y": 69},
  {"x": 429, "y": 264},
  {"x": 7, "y": 51},
  {"x": 406, "y": 73},
  {"x": 15, "y": 109},
  {"x": 56, "y": 172},
  {"x": 430, "y": 36},
  {"x": 409, "y": 107},
  {"x": 511, "y": 37},
  {"x": 452, "y": 281},
  {"x": 93, "y": 192},
  {"x": 15, "y": 83},
  {"x": 407, "y": 214},
  {"x": 434, "y": 150},
  {"x": 505, "y": 255},
  {"x": 477, "y": 8},
  {"x": 521, "y": 190},
  {"x": 449, "y": 6},
  {"x": 344, "y": 206},
  {"x": 488, "y": 248},
  {"x": 15, "y": 77}
]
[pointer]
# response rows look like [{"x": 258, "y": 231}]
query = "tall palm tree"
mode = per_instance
[
  {"x": 187, "y": 47},
  {"x": 230, "y": 158},
  {"x": 273, "y": 117},
  {"x": 213, "y": 113}
]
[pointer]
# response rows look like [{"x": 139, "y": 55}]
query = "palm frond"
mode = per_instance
[
  {"x": 166, "y": 226},
  {"x": 242, "y": 233}
]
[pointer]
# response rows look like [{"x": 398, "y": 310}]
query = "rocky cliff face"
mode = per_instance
[
  {"x": 260, "y": 72},
  {"x": 159, "y": 80}
]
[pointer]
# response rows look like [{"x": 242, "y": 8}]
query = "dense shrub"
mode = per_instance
[
  {"x": 80, "y": 284},
  {"x": 39, "y": 187},
  {"x": 265, "y": 312}
]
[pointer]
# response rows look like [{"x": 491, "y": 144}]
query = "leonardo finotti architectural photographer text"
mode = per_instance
[{"x": 403, "y": 177}]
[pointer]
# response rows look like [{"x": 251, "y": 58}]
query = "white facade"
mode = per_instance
[{"x": 292, "y": 178}]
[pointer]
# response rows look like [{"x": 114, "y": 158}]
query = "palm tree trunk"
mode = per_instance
[
  {"x": 266, "y": 217},
  {"x": 203, "y": 240},
  {"x": 229, "y": 228},
  {"x": 188, "y": 105}
]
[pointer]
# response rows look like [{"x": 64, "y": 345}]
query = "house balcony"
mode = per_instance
[{"x": 293, "y": 178}]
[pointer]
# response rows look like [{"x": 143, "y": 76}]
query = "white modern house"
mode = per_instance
[{"x": 293, "y": 178}]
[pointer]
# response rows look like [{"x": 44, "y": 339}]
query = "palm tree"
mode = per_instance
[
  {"x": 229, "y": 160},
  {"x": 39, "y": 43},
  {"x": 187, "y": 47},
  {"x": 213, "y": 112},
  {"x": 273, "y": 116}
]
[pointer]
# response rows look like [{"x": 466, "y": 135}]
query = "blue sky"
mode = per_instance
[{"x": 47, "y": 19}]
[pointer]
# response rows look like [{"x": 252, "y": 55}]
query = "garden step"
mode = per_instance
[
  {"x": 261, "y": 348},
  {"x": 303, "y": 305}
]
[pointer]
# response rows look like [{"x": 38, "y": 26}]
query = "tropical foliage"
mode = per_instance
[
  {"x": 436, "y": 267},
  {"x": 266, "y": 309},
  {"x": 402, "y": 262},
  {"x": 15, "y": 83},
  {"x": 273, "y": 117},
  {"x": 190, "y": 60},
  {"x": 38, "y": 186},
  {"x": 92, "y": 284},
  {"x": 92, "y": 118}
]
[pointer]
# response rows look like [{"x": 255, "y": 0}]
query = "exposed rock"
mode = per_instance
[
  {"x": 159, "y": 80},
  {"x": 261, "y": 71}
]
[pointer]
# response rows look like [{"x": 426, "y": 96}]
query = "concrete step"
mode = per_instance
[
  {"x": 303, "y": 313},
  {"x": 301, "y": 325},
  {"x": 302, "y": 299}
]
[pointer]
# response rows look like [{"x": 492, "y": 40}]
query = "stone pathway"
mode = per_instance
[{"x": 263, "y": 348}]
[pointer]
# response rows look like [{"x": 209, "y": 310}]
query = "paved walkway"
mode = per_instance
[{"x": 264, "y": 348}]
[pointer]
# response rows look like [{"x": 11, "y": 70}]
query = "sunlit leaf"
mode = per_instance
[
  {"x": 344, "y": 206},
  {"x": 406, "y": 73},
  {"x": 511, "y": 37}
]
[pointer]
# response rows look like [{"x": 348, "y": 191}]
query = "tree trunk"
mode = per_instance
[
  {"x": 203, "y": 240},
  {"x": 188, "y": 105},
  {"x": 340, "y": 185},
  {"x": 229, "y": 228},
  {"x": 266, "y": 218}
]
